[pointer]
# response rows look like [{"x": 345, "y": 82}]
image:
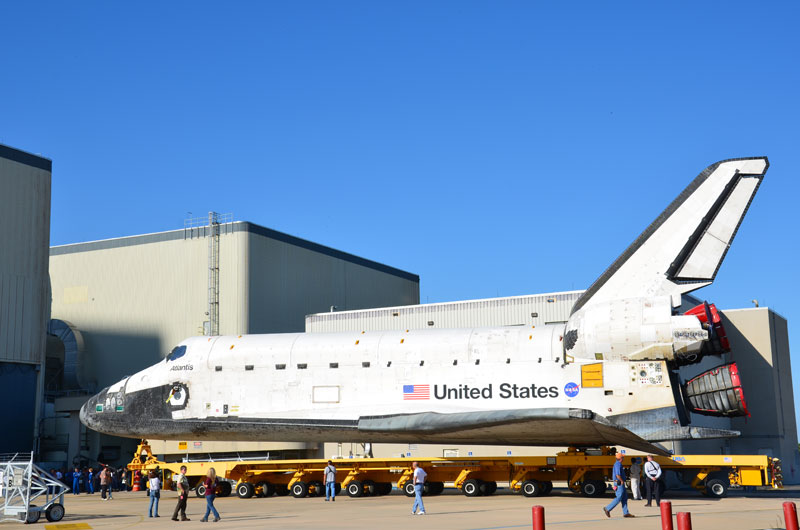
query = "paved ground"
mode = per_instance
[{"x": 563, "y": 510}]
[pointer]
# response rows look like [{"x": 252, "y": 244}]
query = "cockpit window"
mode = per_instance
[{"x": 176, "y": 353}]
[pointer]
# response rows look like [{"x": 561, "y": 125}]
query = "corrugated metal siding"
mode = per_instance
[
  {"x": 516, "y": 310},
  {"x": 24, "y": 284}
]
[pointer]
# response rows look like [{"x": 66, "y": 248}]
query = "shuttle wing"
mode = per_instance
[
  {"x": 683, "y": 248},
  {"x": 551, "y": 426}
]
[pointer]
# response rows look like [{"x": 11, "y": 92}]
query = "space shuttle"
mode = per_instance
[{"x": 608, "y": 376}]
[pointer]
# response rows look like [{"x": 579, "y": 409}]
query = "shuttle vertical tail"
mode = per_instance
[{"x": 683, "y": 248}]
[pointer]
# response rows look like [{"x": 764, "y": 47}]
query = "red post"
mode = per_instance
[
  {"x": 666, "y": 515},
  {"x": 790, "y": 515},
  {"x": 538, "y": 518},
  {"x": 684, "y": 521}
]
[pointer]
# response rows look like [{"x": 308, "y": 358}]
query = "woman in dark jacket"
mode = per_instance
[{"x": 211, "y": 492}]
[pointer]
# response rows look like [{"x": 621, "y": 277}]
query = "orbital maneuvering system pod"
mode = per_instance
[{"x": 609, "y": 376}]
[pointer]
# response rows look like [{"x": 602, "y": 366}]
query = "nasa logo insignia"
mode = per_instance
[{"x": 571, "y": 389}]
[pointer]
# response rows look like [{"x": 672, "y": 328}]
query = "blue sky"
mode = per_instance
[{"x": 494, "y": 148}]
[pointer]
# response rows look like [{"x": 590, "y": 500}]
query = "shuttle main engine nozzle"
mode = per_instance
[{"x": 717, "y": 392}]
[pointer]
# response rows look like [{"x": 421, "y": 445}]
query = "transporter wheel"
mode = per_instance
[
  {"x": 592, "y": 488},
  {"x": 316, "y": 489},
  {"x": 408, "y": 489},
  {"x": 200, "y": 490},
  {"x": 245, "y": 490},
  {"x": 370, "y": 488},
  {"x": 488, "y": 487},
  {"x": 338, "y": 488},
  {"x": 225, "y": 489},
  {"x": 54, "y": 512},
  {"x": 355, "y": 489},
  {"x": 267, "y": 489},
  {"x": 547, "y": 487},
  {"x": 281, "y": 490},
  {"x": 471, "y": 487},
  {"x": 384, "y": 488},
  {"x": 717, "y": 488},
  {"x": 299, "y": 489},
  {"x": 436, "y": 488},
  {"x": 531, "y": 488}
]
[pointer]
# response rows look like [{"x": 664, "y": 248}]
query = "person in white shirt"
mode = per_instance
[
  {"x": 329, "y": 473},
  {"x": 154, "y": 485},
  {"x": 652, "y": 473},
  {"x": 418, "y": 479},
  {"x": 636, "y": 474}
]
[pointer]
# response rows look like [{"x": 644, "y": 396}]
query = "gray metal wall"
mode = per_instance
[
  {"x": 290, "y": 280},
  {"x": 515, "y": 310},
  {"x": 24, "y": 286}
]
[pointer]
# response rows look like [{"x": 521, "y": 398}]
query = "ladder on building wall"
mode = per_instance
[
  {"x": 213, "y": 273},
  {"x": 211, "y": 227}
]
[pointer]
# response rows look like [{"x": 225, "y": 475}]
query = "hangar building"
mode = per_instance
[
  {"x": 121, "y": 304},
  {"x": 24, "y": 292}
]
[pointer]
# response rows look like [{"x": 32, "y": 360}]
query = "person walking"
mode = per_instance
[
  {"x": 418, "y": 479},
  {"x": 211, "y": 493},
  {"x": 183, "y": 493},
  {"x": 636, "y": 475},
  {"x": 76, "y": 481},
  {"x": 154, "y": 485},
  {"x": 652, "y": 473},
  {"x": 621, "y": 495},
  {"x": 104, "y": 480},
  {"x": 90, "y": 482},
  {"x": 329, "y": 473}
]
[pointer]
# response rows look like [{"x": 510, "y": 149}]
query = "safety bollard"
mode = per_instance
[
  {"x": 684, "y": 521},
  {"x": 790, "y": 515},
  {"x": 666, "y": 515},
  {"x": 538, "y": 518}
]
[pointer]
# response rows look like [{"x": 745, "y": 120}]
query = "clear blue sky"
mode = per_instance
[{"x": 494, "y": 148}]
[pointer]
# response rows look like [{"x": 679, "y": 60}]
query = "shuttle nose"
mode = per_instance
[{"x": 89, "y": 414}]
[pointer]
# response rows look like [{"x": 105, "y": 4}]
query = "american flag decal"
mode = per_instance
[{"x": 412, "y": 392}]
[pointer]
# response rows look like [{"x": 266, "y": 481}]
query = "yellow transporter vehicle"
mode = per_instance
[
  {"x": 584, "y": 471},
  {"x": 144, "y": 461}
]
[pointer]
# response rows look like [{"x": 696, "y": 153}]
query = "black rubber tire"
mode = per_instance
[
  {"x": 32, "y": 516},
  {"x": 592, "y": 488},
  {"x": 261, "y": 489},
  {"x": 384, "y": 488},
  {"x": 316, "y": 489},
  {"x": 370, "y": 488},
  {"x": 531, "y": 488},
  {"x": 245, "y": 490},
  {"x": 281, "y": 490},
  {"x": 54, "y": 512},
  {"x": 547, "y": 487},
  {"x": 338, "y": 488},
  {"x": 717, "y": 488},
  {"x": 436, "y": 488},
  {"x": 471, "y": 487},
  {"x": 267, "y": 489},
  {"x": 488, "y": 487},
  {"x": 408, "y": 489},
  {"x": 225, "y": 489},
  {"x": 200, "y": 490},
  {"x": 299, "y": 489},
  {"x": 355, "y": 489}
]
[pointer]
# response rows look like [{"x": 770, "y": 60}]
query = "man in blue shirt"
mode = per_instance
[{"x": 618, "y": 474}]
